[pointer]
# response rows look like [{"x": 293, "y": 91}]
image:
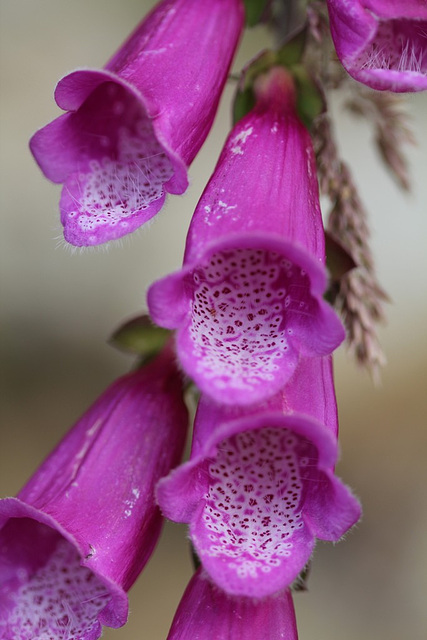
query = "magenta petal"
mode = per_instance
[
  {"x": 208, "y": 613},
  {"x": 257, "y": 491},
  {"x": 88, "y": 514},
  {"x": 132, "y": 129},
  {"x": 45, "y": 592},
  {"x": 382, "y": 43},
  {"x": 248, "y": 301},
  {"x": 330, "y": 508},
  {"x": 311, "y": 391}
]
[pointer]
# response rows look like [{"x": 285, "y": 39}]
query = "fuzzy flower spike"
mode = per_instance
[
  {"x": 78, "y": 534},
  {"x": 259, "y": 487},
  {"x": 248, "y": 300},
  {"x": 382, "y": 43},
  {"x": 132, "y": 128}
]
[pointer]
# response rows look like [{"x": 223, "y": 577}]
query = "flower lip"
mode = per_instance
[
  {"x": 267, "y": 242},
  {"x": 244, "y": 312},
  {"x": 255, "y": 241},
  {"x": 73, "y": 90},
  {"x": 115, "y": 612},
  {"x": 302, "y": 425}
]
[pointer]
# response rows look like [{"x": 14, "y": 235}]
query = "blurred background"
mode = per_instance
[{"x": 58, "y": 309}]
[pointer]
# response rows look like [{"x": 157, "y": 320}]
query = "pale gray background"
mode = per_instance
[{"x": 58, "y": 309}]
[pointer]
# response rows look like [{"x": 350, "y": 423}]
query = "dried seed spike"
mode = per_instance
[
  {"x": 359, "y": 297},
  {"x": 390, "y": 120}
]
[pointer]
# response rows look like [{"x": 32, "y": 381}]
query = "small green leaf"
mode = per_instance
[
  {"x": 260, "y": 64},
  {"x": 244, "y": 101},
  {"x": 140, "y": 336},
  {"x": 291, "y": 52},
  {"x": 254, "y": 10},
  {"x": 310, "y": 102}
]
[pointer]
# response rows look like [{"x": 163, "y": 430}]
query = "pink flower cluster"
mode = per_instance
[{"x": 252, "y": 330}]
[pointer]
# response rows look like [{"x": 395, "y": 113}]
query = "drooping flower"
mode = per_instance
[
  {"x": 80, "y": 531},
  {"x": 208, "y": 613},
  {"x": 259, "y": 486},
  {"x": 382, "y": 43},
  {"x": 248, "y": 300},
  {"x": 132, "y": 128}
]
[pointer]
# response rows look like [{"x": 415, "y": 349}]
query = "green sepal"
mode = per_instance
[
  {"x": 310, "y": 101},
  {"x": 140, "y": 337},
  {"x": 292, "y": 52},
  {"x": 254, "y": 11},
  {"x": 244, "y": 99}
]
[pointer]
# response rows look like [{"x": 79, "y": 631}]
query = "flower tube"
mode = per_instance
[
  {"x": 132, "y": 128},
  {"x": 248, "y": 301},
  {"x": 382, "y": 43},
  {"x": 206, "y": 612},
  {"x": 80, "y": 531},
  {"x": 259, "y": 487}
]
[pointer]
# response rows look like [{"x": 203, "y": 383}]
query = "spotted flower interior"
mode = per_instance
[
  {"x": 118, "y": 184},
  {"x": 247, "y": 308},
  {"x": 251, "y": 535},
  {"x": 48, "y": 594},
  {"x": 399, "y": 45}
]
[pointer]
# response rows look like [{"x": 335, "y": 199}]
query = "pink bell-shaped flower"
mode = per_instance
[
  {"x": 259, "y": 487},
  {"x": 247, "y": 302},
  {"x": 132, "y": 128},
  {"x": 80, "y": 531}
]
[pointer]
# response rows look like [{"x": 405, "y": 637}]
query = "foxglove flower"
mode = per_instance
[
  {"x": 248, "y": 300},
  {"x": 259, "y": 486},
  {"x": 382, "y": 43},
  {"x": 80, "y": 531},
  {"x": 132, "y": 129},
  {"x": 206, "y": 612}
]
